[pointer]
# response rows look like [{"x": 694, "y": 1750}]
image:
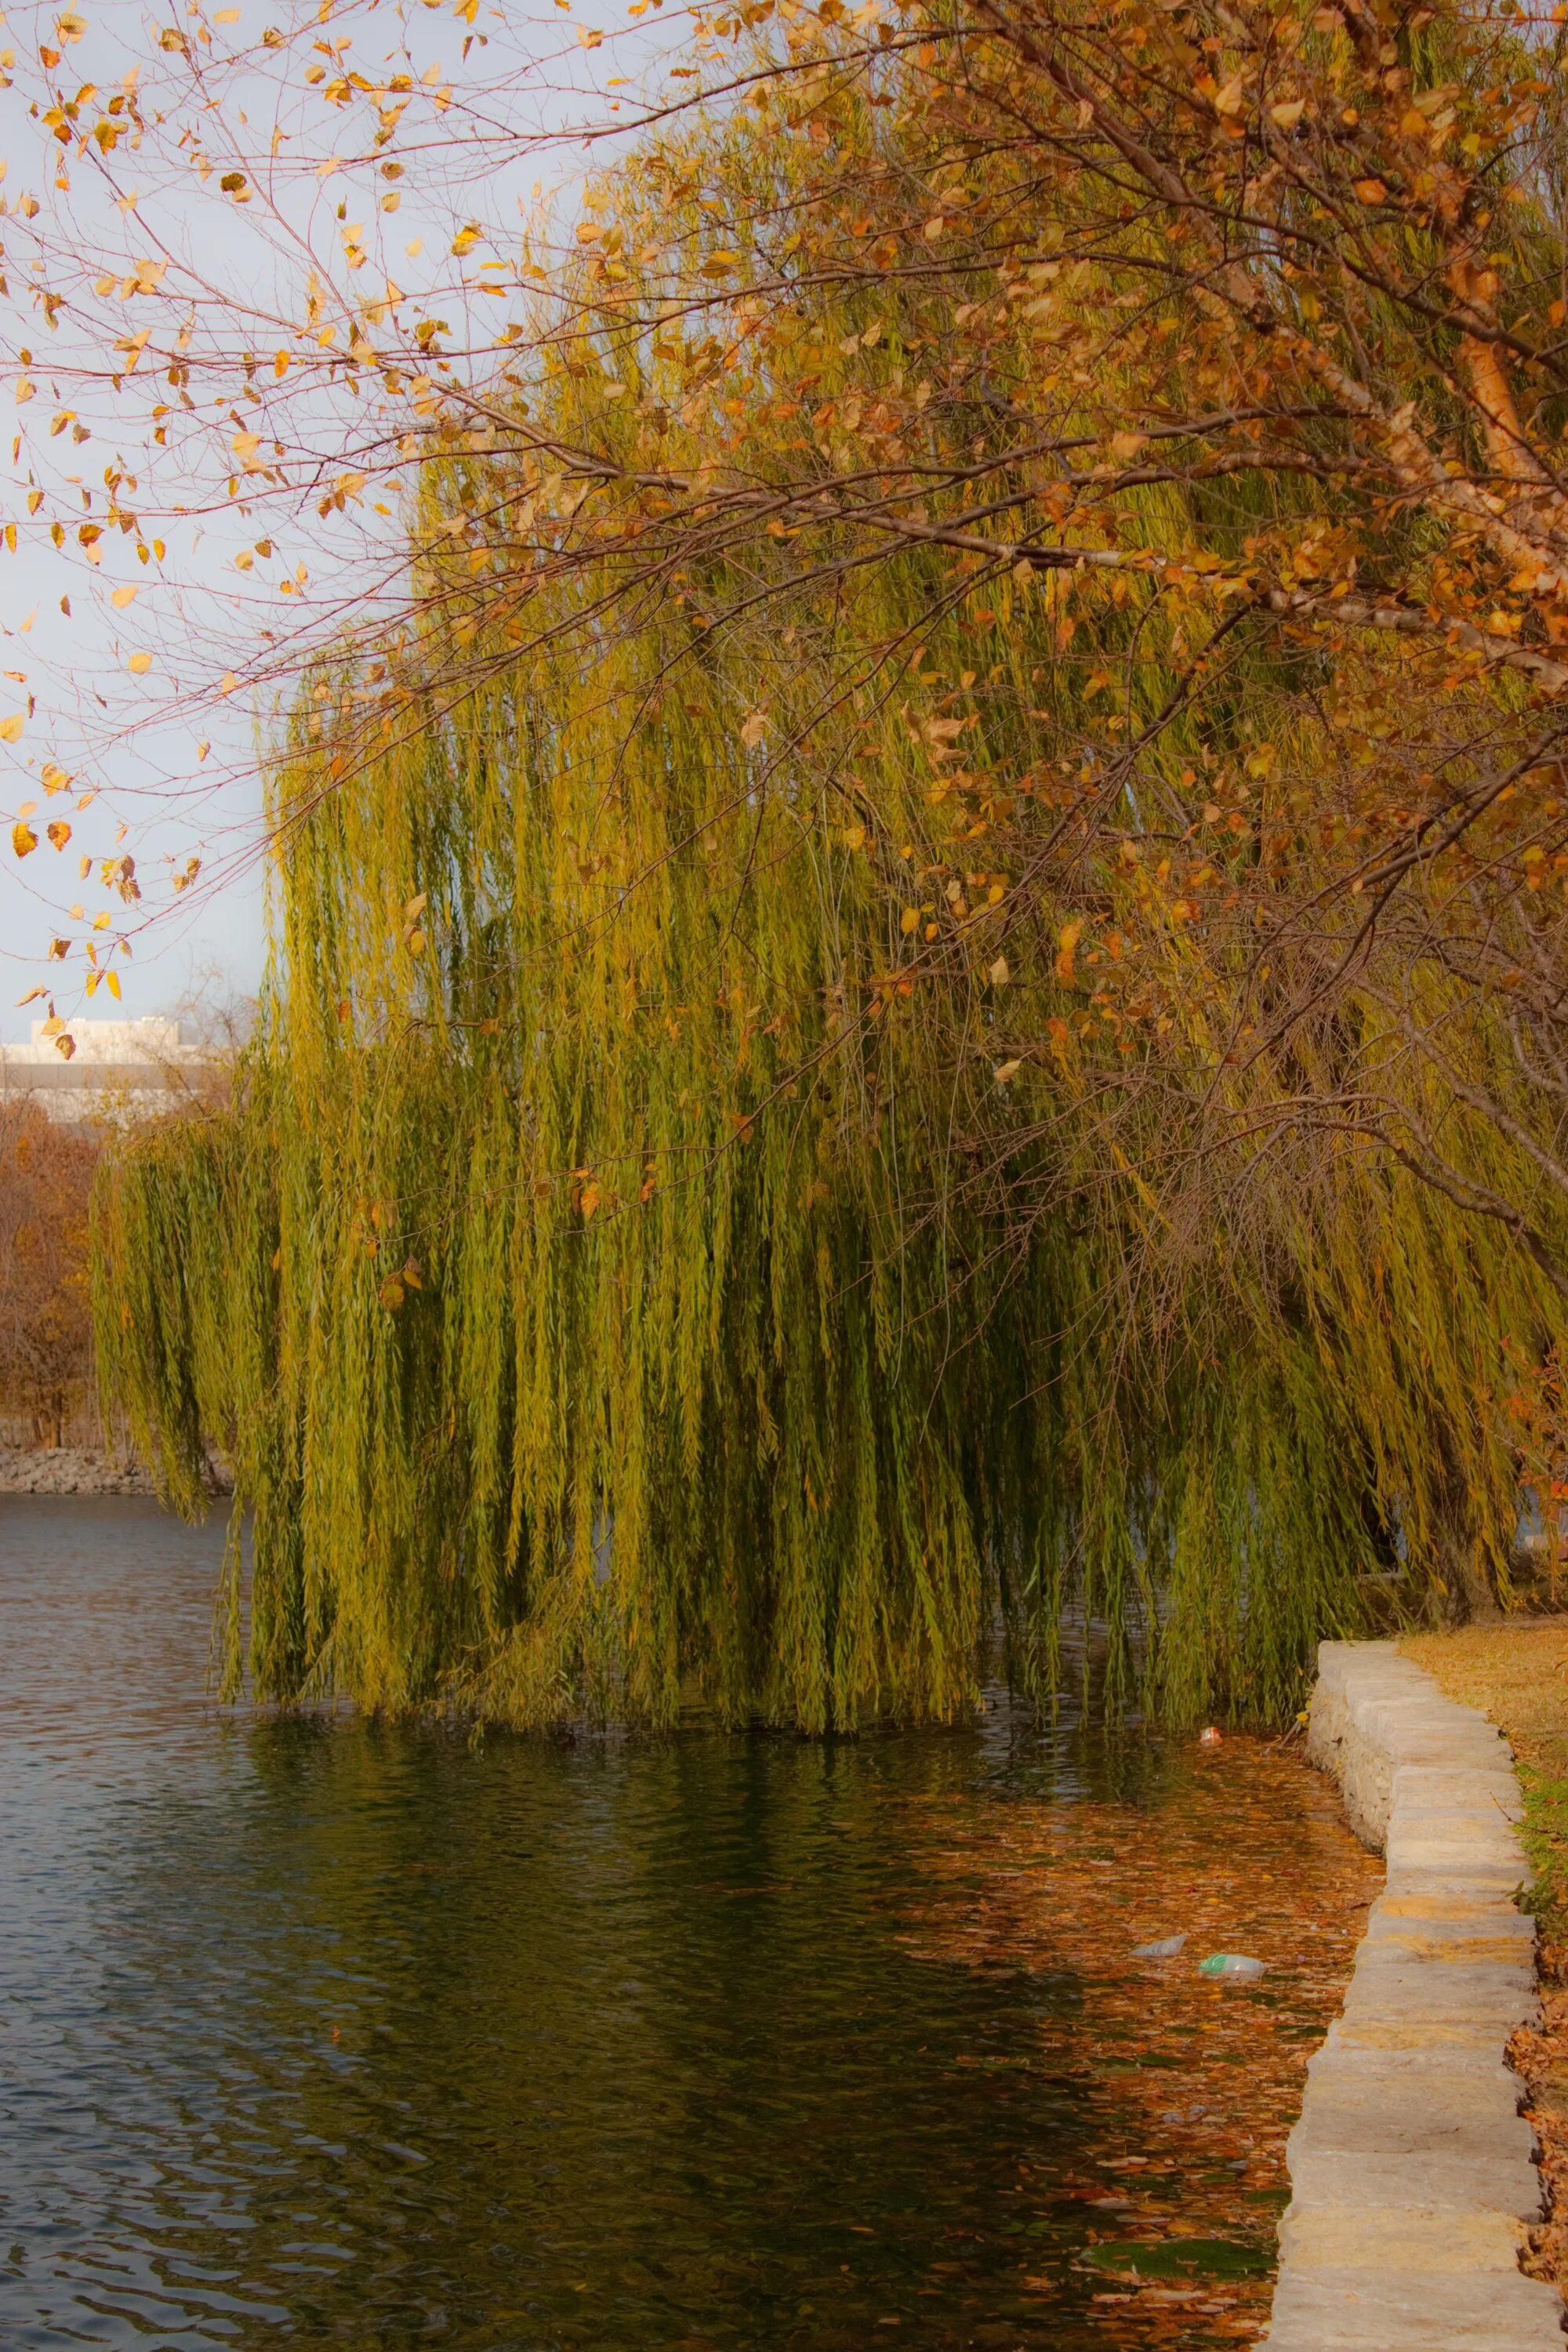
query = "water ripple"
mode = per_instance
[{"x": 317, "y": 2030}]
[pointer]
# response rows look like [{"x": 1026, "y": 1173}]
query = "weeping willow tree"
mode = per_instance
[
  {"x": 757, "y": 1167},
  {"x": 566, "y": 1285}
]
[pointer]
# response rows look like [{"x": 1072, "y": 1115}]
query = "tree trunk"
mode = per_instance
[{"x": 1469, "y": 1595}]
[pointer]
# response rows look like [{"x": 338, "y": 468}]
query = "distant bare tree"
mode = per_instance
[{"x": 46, "y": 1335}]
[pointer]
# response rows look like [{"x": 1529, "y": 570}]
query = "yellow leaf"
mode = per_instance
[
  {"x": 1005, "y": 1072},
  {"x": 100, "y": 922},
  {"x": 755, "y": 728},
  {"x": 111, "y": 982},
  {"x": 1066, "y": 944},
  {"x": 24, "y": 840},
  {"x": 1124, "y": 447},
  {"x": 909, "y": 921},
  {"x": 998, "y": 974},
  {"x": 139, "y": 664},
  {"x": 1288, "y": 114},
  {"x": 11, "y": 728},
  {"x": 60, "y": 832},
  {"x": 65, "y": 1045},
  {"x": 121, "y": 597}
]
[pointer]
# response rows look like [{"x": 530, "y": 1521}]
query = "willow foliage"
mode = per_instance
[{"x": 637, "y": 1270}]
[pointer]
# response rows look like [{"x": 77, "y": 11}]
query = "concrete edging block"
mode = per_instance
[{"x": 1413, "y": 2172}]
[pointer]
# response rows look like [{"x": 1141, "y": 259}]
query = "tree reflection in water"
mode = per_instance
[{"x": 332, "y": 2031}]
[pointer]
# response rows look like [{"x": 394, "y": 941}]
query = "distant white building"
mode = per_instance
[{"x": 119, "y": 1071}]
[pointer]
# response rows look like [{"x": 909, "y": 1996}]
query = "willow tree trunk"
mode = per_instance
[{"x": 1470, "y": 1587}]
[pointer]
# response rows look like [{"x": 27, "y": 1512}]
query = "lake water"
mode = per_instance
[{"x": 323, "y": 2032}]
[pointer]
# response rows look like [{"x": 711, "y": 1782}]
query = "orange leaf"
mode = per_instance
[{"x": 1066, "y": 943}]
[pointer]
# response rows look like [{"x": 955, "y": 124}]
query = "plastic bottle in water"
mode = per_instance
[{"x": 1234, "y": 1967}]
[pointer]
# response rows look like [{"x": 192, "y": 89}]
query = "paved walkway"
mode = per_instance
[{"x": 1413, "y": 2172}]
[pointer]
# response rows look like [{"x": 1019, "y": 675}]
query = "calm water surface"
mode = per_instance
[{"x": 317, "y": 2032}]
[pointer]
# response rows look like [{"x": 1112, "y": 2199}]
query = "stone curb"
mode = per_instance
[{"x": 1412, "y": 2173}]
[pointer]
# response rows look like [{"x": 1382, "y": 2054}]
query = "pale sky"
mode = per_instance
[{"x": 121, "y": 694}]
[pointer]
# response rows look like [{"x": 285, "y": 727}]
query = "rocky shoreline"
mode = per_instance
[{"x": 80, "y": 1470}]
